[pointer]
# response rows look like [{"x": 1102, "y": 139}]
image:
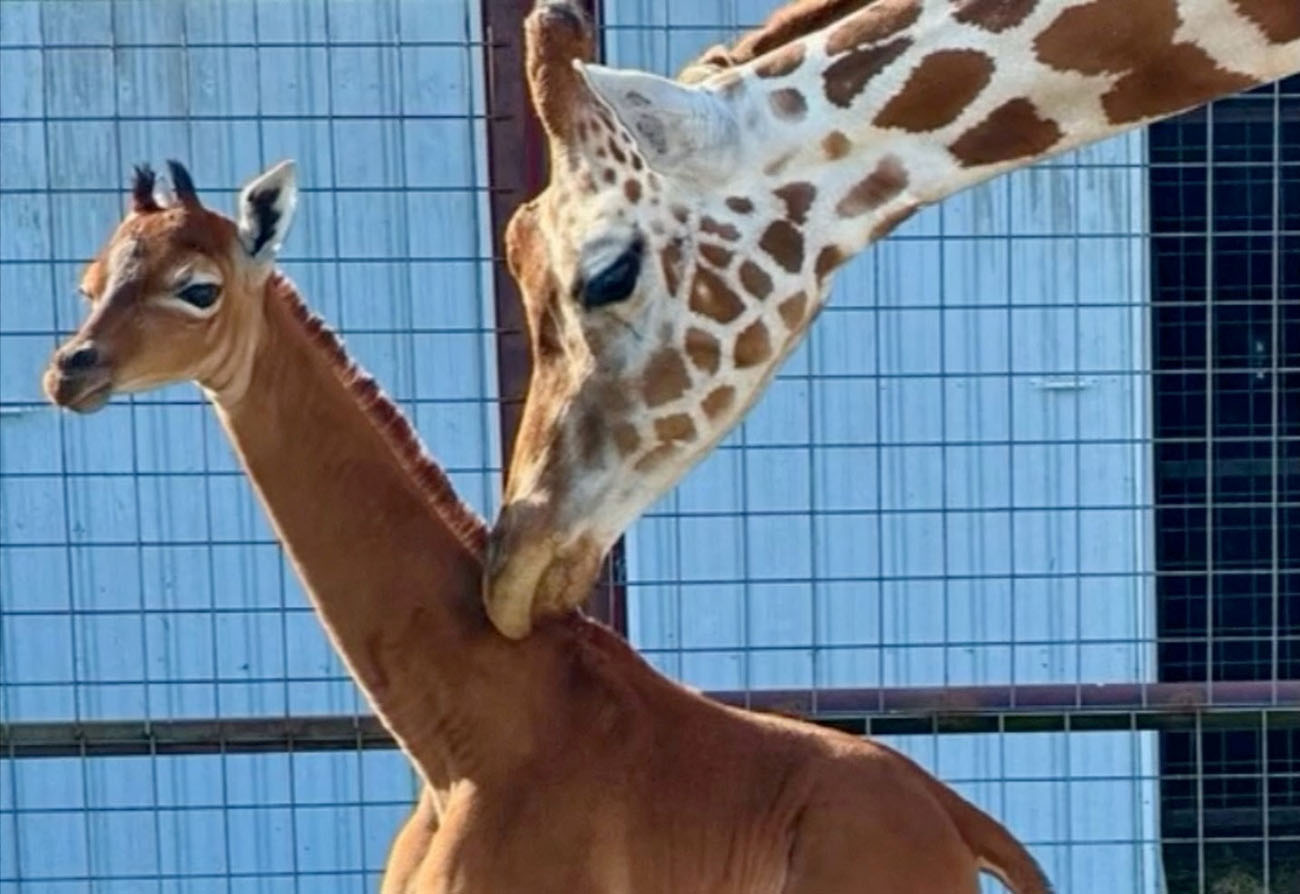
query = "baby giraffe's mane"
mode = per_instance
[{"x": 388, "y": 419}]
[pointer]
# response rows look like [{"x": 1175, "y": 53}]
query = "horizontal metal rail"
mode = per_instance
[{"x": 902, "y": 711}]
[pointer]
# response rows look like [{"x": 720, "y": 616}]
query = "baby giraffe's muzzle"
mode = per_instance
[{"x": 78, "y": 377}]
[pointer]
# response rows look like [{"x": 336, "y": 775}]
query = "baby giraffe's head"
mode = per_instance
[{"x": 175, "y": 294}]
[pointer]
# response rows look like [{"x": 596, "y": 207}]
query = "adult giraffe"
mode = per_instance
[
  {"x": 690, "y": 228},
  {"x": 562, "y": 764}
]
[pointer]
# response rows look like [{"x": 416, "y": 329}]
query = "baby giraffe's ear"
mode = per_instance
[{"x": 266, "y": 207}]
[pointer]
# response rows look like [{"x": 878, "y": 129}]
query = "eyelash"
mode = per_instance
[
  {"x": 616, "y": 282},
  {"x": 201, "y": 295}
]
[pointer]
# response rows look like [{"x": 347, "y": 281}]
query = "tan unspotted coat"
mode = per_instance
[{"x": 560, "y": 764}]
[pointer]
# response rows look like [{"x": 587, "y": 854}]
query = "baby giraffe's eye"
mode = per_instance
[
  {"x": 200, "y": 294},
  {"x": 617, "y": 281}
]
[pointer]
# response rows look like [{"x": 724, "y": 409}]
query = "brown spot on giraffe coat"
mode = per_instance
[
  {"x": 677, "y": 427},
  {"x": 665, "y": 378},
  {"x": 1107, "y": 36},
  {"x": 835, "y": 145},
  {"x": 1280, "y": 22},
  {"x": 716, "y": 255},
  {"x": 626, "y": 438},
  {"x": 781, "y": 61},
  {"x": 993, "y": 15},
  {"x": 1011, "y": 131},
  {"x": 753, "y": 346},
  {"x": 655, "y": 458},
  {"x": 718, "y": 401},
  {"x": 783, "y": 241},
  {"x": 777, "y": 165},
  {"x": 788, "y": 104},
  {"x": 1159, "y": 76},
  {"x": 798, "y": 198},
  {"x": 720, "y": 229},
  {"x": 793, "y": 309},
  {"x": 740, "y": 204},
  {"x": 670, "y": 260},
  {"x": 937, "y": 91},
  {"x": 703, "y": 349},
  {"x": 791, "y": 22},
  {"x": 755, "y": 280},
  {"x": 711, "y": 296},
  {"x": 1184, "y": 76},
  {"x": 847, "y": 76},
  {"x": 828, "y": 259},
  {"x": 632, "y": 190},
  {"x": 880, "y": 186},
  {"x": 879, "y": 20}
]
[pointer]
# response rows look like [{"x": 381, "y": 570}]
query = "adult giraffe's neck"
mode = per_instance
[
  {"x": 390, "y": 558},
  {"x": 905, "y": 102}
]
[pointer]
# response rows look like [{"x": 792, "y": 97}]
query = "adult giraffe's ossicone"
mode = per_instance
[{"x": 690, "y": 228}]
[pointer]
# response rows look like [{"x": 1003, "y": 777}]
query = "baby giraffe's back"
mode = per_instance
[{"x": 757, "y": 804}]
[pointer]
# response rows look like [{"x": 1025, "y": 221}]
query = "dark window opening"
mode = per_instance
[{"x": 1225, "y": 269}]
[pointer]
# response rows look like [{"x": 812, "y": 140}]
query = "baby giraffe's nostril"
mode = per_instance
[{"x": 83, "y": 357}]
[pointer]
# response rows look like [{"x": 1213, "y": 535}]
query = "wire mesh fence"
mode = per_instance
[{"x": 1024, "y": 503}]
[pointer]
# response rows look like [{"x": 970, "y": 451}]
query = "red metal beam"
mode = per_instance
[
  {"x": 517, "y": 171},
  {"x": 1069, "y": 697},
  {"x": 961, "y": 709}
]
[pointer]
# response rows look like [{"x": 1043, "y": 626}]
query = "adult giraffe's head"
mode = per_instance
[
  {"x": 175, "y": 294},
  {"x": 690, "y": 227}
]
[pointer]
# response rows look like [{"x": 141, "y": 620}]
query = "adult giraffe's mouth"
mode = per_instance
[{"x": 530, "y": 573}]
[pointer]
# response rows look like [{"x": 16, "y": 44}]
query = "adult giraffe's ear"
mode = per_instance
[
  {"x": 266, "y": 206},
  {"x": 681, "y": 129}
]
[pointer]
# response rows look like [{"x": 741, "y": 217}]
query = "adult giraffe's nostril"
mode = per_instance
[{"x": 81, "y": 358}]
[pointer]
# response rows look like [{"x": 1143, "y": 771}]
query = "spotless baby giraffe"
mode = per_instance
[
  {"x": 559, "y": 764},
  {"x": 691, "y": 228}
]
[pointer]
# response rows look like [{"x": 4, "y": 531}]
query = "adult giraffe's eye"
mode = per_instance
[
  {"x": 616, "y": 282},
  {"x": 200, "y": 294}
]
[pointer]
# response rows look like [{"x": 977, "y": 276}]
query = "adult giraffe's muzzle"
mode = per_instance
[{"x": 532, "y": 571}]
